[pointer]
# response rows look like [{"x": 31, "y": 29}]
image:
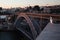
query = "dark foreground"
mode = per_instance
[{"x": 11, "y": 35}]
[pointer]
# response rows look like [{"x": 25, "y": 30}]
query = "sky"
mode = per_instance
[{"x": 24, "y": 3}]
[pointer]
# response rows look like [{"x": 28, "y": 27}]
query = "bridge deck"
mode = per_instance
[{"x": 51, "y": 32}]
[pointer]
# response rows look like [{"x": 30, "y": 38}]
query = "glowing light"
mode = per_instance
[{"x": 51, "y": 20}]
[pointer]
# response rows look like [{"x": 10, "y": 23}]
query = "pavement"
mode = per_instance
[{"x": 50, "y": 32}]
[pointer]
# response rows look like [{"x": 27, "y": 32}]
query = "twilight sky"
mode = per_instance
[{"x": 24, "y": 3}]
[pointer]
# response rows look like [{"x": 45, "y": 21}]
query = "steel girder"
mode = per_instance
[{"x": 32, "y": 25}]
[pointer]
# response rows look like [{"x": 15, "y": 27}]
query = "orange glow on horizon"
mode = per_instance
[
  {"x": 22, "y": 6},
  {"x": 25, "y": 3}
]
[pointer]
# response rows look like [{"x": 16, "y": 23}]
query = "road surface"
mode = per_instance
[{"x": 50, "y": 32}]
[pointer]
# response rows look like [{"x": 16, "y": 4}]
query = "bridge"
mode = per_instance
[
  {"x": 50, "y": 32},
  {"x": 30, "y": 24}
]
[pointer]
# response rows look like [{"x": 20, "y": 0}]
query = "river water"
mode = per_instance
[{"x": 7, "y": 36}]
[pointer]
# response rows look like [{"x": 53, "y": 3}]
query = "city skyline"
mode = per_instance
[{"x": 24, "y": 3}]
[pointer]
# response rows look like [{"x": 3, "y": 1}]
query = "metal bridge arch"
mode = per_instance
[{"x": 34, "y": 33}]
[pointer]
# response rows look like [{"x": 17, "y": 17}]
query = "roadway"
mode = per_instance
[{"x": 50, "y": 32}]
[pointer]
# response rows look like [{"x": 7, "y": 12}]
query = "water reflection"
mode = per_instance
[{"x": 7, "y": 36}]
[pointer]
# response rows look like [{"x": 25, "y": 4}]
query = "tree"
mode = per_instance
[
  {"x": 36, "y": 8},
  {"x": 0, "y": 8}
]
